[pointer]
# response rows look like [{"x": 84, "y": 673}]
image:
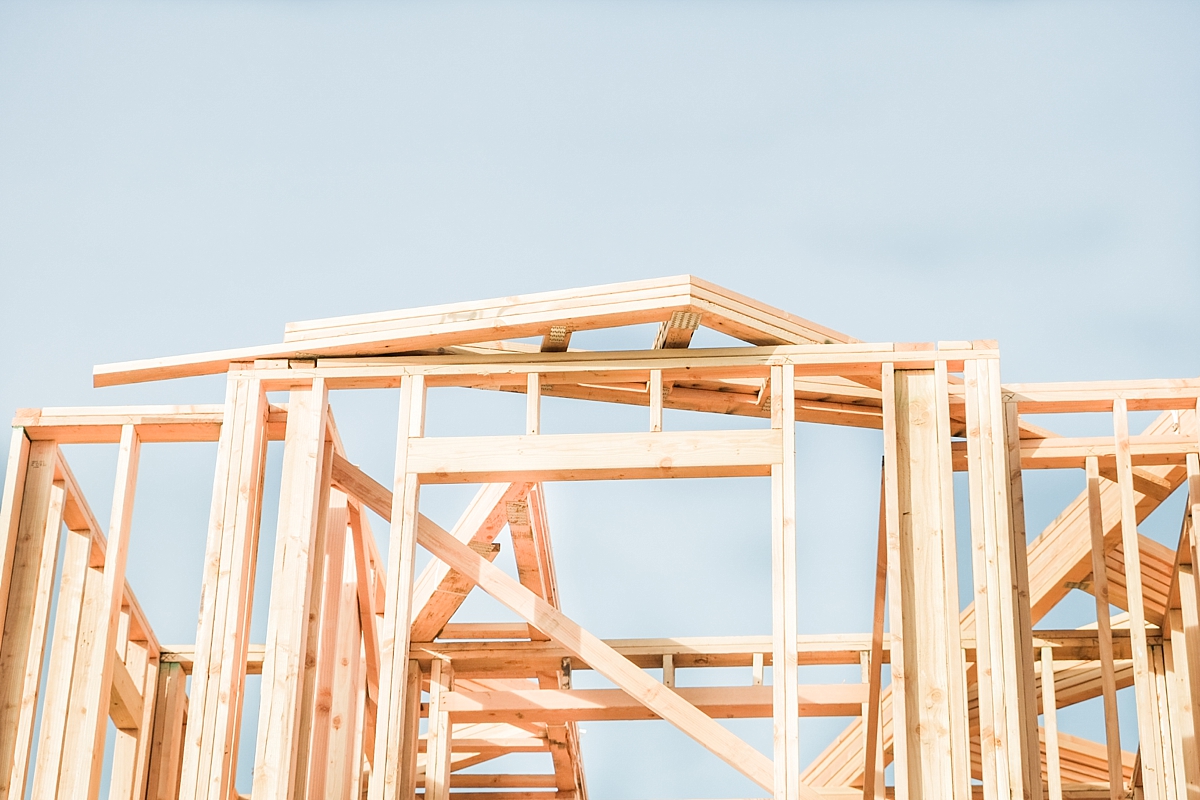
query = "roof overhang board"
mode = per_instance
[{"x": 436, "y": 327}]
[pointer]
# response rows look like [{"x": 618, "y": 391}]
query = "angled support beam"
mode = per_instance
[{"x": 662, "y": 701}]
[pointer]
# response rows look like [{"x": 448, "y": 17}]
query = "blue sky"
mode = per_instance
[{"x": 185, "y": 176}]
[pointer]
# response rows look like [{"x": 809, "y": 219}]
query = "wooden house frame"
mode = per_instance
[{"x": 359, "y": 652}]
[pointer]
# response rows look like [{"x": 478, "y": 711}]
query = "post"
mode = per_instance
[
  {"x": 299, "y": 540},
  {"x": 997, "y": 558},
  {"x": 215, "y": 701},
  {"x": 1050, "y": 713},
  {"x": 392, "y": 739},
  {"x": 89, "y": 708},
  {"x": 1108, "y": 676},
  {"x": 930, "y": 699},
  {"x": 1149, "y": 734},
  {"x": 785, "y": 694},
  {"x": 32, "y": 515},
  {"x": 437, "y": 762}
]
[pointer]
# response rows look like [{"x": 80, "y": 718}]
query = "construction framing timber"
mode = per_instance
[{"x": 359, "y": 652}]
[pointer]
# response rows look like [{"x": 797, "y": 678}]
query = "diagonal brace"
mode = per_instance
[{"x": 608, "y": 662}]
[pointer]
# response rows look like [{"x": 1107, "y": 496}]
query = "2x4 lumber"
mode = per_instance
[
  {"x": 1184, "y": 627},
  {"x": 33, "y": 516},
  {"x": 89, "y": 708},
  {"x": 485, "y": 630},
  {"x": 1007, "y": 759},
  {"x": 1049, "y": 711},
  {"x": 928, "y": 672},
  {"x": 667, "y": 704},
  {"x": 102, "y": 424},
  {"x": 365, "y": 557},
  {"x": 222, "y": 637},
  {"x": 554, "y": 706},
  {"x": 300, "y": 539},
  {"x": 347, "y": 693},
  {"x": 1149, "y": 738},
  {"x": 1071, "y": 398},
  {"x": 10, "y": 510},
  {"x": 503, "y": 781},
  {"x": 324, "y": 590},
  {"x": 76, "y": 574},
  {"x": 599, "y": 456},
  {"x": 784, "y": 609},
  {"x": 873, "y": 788},
  {"x": 400, "y": 509},
  {"x": 676, "y": 333},
  {"x": 439, "y": 591},
  {"x": 412, "y": 731},
  {"x": 1112, "y": 730},
  {"x": 170, "y": 712},
  {"x": 437, "y": 763},
  {"x": 533, "y": 404}
]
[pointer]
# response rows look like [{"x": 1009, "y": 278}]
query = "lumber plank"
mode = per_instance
[
  {"x": 487, "y": 459},
  {"x": 1112, "y": 730},
  {"x": 784, "y": 610},
  {"x": 391, "y": 740},
  {"x": 437, "y": 763},
  {"x": 35, "y": 518},
  {"x": 166, "y": 748},
  {"x": 300, "y": 538},
  {"x": 214, "y": 701},
  {"x": 1152, "y": 766},
  {"x": 557, "y": 706},
  {"x": 322, "y": 644},
  {"x": 931, "y": 674}
]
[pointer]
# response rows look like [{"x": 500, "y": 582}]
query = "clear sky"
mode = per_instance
[{"x": 185, "y": 176}]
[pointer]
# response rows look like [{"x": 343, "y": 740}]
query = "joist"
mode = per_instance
[{"x": 579, "y": 705}]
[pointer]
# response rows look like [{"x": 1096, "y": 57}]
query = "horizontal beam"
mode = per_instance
[
  {"x": 595, "y": 456},
  {"x": 512, "y": 659},
  {"x": 500, "y": 781},
  {"x": 558, "y": 706},
  {"x": 381, "y": 371},
  {"x": 1070, "y": 453},
  {"x": 102, "y": 425},
  {"x": 1071, "y": 398}
]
